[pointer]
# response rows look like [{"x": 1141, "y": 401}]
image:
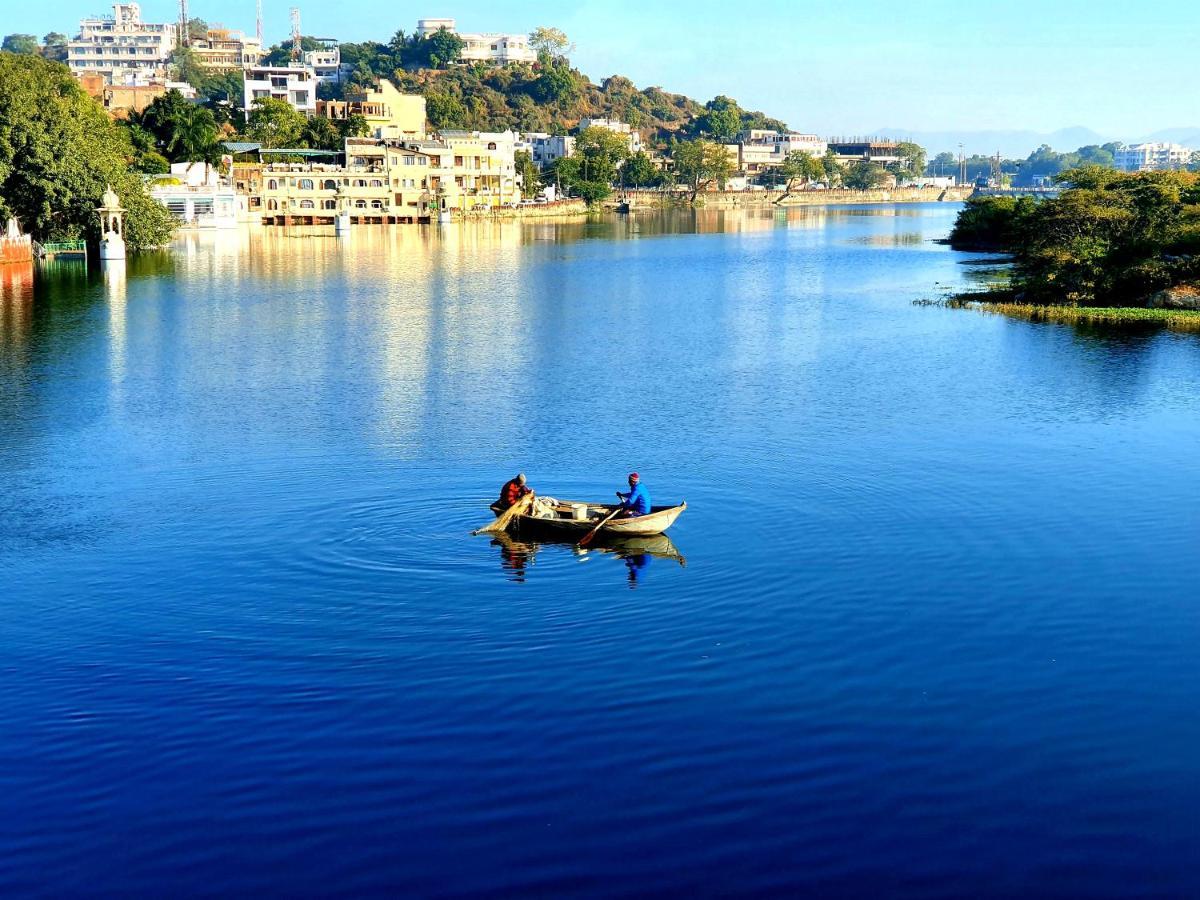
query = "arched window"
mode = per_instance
[
  {"x": 307, "y": 204},
  {"x": 492, "y": 145},
  {"x": 360, "y": 204},
  {"x": 330, "y": 184},
  {"x": 272, "y": 185},
  {"x": 375, "y": 182},
  {"x": 272, "y": 204},
  {"x": 306, "y": 184},
  {"x": 330, "y": 204},
  {"x": 376, "y": 204}
]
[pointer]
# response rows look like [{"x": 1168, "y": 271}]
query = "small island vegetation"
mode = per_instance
[{"x": 1114, "y": 246}]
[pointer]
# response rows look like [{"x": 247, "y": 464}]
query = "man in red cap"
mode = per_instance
[{"x": 637, "y": 501}]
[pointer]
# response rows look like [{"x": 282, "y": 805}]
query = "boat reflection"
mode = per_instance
[{"x": 518, "y": 556}]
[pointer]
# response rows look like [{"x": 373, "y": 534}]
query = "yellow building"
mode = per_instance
[
  {"x": 390, "y": 114},
  {"x": 223, "y": 50},
  {"x": 388, "y": 182}
]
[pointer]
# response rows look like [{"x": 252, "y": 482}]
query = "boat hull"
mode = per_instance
[{"x": 567, "y": 529}]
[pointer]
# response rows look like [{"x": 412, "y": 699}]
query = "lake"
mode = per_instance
[{"x": 927, "y": 628}]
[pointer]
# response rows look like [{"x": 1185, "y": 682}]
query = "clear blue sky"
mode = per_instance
[{"x": 1122, "y": 68}]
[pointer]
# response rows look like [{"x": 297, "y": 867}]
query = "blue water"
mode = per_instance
[{"x": 928, "y": 627}]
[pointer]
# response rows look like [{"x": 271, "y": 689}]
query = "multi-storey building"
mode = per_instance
[
  {"x": 295, "y": 84},
  {"x": 223, "y": 50},
  {"x": 1153, "y": 157},
  {"x": 122, "y": 45},
  {"x": 762, "y": 149},
  {"x": 390, "y": 114},
  {"x": 546, "y": 148},
  {"x": 393, "y": 181},
  {"x": 869, "y": 150},
  {"x": 133, "y": 96},
  {"x": 477, "y": 47},
  {"x": 326, "y": 62}
]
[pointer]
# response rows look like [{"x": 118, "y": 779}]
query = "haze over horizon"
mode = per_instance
[{"x": 916, "y": 68}]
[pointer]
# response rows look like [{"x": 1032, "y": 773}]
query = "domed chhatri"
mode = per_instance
[{"x": 112, "y": 226}]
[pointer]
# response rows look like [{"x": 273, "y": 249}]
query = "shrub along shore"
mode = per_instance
[{"x": 1112, "y": 248}]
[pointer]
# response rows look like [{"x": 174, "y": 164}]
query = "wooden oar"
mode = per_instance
[
  {"x": 592, "y": 534},
  {"x": 505, "y": 518}
]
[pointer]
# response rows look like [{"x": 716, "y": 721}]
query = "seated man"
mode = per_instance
[
  {"x": 637, "y": 501},
  {"x": 513, "y": 492}
]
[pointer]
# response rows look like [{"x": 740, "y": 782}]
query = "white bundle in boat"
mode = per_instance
[{"x": 544, "y": 507}]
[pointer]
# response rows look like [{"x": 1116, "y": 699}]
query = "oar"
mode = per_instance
[
  {"x": 505, "y": 518},
  {"x": 592, "y": 534}
]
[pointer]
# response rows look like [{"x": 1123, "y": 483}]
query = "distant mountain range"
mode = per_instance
[{"x": 1018, "y": 144}]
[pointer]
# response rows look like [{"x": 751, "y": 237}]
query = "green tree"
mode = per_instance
[
  {"x": 600, "y": 153},
  {"x": 195, "y": 138},
  {"x": 197, "y": 30},
  {"x": 864, "y": 176},
  {"x": 54, "y": 46},
  {"x": 354, "y": 125},
  {"x": 639, "y": 171},
  {"x": 556, "y": 83},
  {"x": 274, "y": 123},
  {"x": 700, "y": 164},
  {"x": 59, "y": 151},
  {"x": 835, "y": 172},
  {"x": 527, "y": 172},
  {"x": 186, "y": 68},
  {"x": 722, "y": 120},
  {"x": 20, "y": 43},
  {"x": 442, "y": 48},
  {"x": 320, "y": 133},
  {"x": 912, "y": 160},
  {"x": 799, "y": 168},
  {"x": 550, "y": 44},
  {"x": 445, "y": 111}
]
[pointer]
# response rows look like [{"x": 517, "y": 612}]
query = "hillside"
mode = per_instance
[{"x": 550, "y": 96}]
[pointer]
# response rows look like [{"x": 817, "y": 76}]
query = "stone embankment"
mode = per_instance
[
  {"x": 730, "y": 199},
  {"x": 532, "y": 211}
]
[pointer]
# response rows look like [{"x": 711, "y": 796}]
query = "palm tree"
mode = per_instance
[{"x": 194, "y": 138}]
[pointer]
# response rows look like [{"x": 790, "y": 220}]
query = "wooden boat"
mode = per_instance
[{"x": 564, "y": 526}]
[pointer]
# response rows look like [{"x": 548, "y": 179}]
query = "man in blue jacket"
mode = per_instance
[{"x": 637, "y": 501}]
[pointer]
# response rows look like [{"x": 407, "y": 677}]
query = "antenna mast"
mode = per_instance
[
  {"x": 184, "y": 35},
  {"x": 295, "y": 33},
  {"x": 259, "y": 18}
]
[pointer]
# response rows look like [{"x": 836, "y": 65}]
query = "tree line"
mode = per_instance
[{"x": 1109, "y": 239}]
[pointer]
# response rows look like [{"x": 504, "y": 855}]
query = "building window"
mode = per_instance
[
  {"x": 375, "y": 182},
  {"x": 360, "y": 182},
  {"x": 330, "y": 184},
  {"x": 272, "y": 204},
  {"x": 329, "y": 204},
  {"x": 360, "y": 204},
  {"x": 376, "y": 204},
  {"x": 272, "y": 185},
  {"x": 307, "y": 204},
  {"x": 306, "y": 184}
]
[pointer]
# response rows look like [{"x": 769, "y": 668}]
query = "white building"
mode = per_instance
[
  {"x": 632, "y": 136},
  {"x": 546, "y": 148},
  {"x": 194, "y": 195},
  {"x": 494, "y": 48},
  {"x": 1153, "y": 157},
  {"x": 295, "y": 84},
  {"x": 326, "y": 62},
  {"x": 762, "y": 149},
  {"x": 122, "y": 45}
]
